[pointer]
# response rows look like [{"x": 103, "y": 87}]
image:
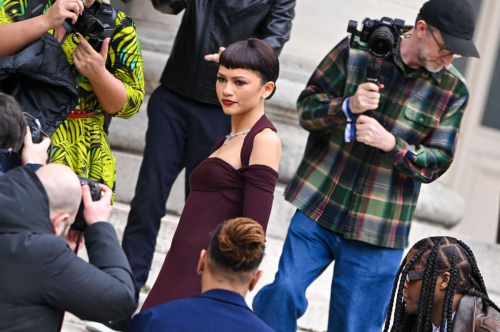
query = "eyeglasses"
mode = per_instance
[
  {"x": 443, "y": 50},
  {"x": 417, "y": 275}
]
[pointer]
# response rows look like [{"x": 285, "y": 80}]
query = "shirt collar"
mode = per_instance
[
  {"x": 226, "y": 296},
  {"x": 418, "y": 73},
  {"x": 436, "y": 328}
]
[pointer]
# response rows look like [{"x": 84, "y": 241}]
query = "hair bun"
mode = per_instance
[{"x": 242, "y": 241}]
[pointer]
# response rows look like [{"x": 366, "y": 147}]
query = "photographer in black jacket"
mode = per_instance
[{"x": 41, "y": 277}]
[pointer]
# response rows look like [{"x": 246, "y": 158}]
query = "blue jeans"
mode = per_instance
[{"x": 361, "y": 286}]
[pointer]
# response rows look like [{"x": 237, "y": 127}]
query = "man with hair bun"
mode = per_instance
[{"x": 228, "y": 269}]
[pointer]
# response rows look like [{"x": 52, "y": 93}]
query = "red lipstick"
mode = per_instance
[{"x": 228, "y": 102}]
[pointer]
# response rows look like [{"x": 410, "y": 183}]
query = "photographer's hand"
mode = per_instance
[
  {"x": 61, "y": 10},
  {"x": 366, "y": 98},
  {"x": 215, "y": 57},
  {"x": 34, "y": 153},
  {"x": 99, "y": 210},
  {"x": 110, "y": 91},
  {"x": 371, "y": 132},
  {"x": 87, "y": 61}
]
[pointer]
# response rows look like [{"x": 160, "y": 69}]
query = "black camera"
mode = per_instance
[
  {"x": 381, "y": 37},
  {"x": 35, "y": 128},
  {"x": 36, "y": 134},
  {"x": 88, "y": 25},
  {"x": 95, "y": 192}
]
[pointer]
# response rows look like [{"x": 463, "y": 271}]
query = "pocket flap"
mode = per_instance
[{"x": 425, "y": 119}]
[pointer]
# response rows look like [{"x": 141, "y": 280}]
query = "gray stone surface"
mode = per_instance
[
  {"x": 318, "y": 294},
  {"x": 437, "y": 204}
]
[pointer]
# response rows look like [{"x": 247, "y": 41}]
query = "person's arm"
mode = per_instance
[
  {"x": 115, "y": 73},
  {"x": 261, "y": 177},
  {"x": 102, "y": 290},
  {"x": 277, "y": 26},
  {"x": 320, "y": 104},
  {"x": 429, "y": 160},
  {"x": 16, "y": 36}
]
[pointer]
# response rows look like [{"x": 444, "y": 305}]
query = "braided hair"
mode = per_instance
[{"x": 435, "y": 255}]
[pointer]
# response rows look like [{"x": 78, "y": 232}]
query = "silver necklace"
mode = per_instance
[{"x": 228, "y": 137}]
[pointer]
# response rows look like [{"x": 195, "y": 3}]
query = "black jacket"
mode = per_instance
[
  {"x": 208, "y": 25},
  {"x": 40, "y": 276},
  {"x": 40, "y": 79}
]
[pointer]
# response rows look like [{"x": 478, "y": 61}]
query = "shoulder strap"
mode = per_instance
[
  {"x": 33, "y": 9},
  {"x": 246, "y": 149},
  {"x": 107, "y": 15}
]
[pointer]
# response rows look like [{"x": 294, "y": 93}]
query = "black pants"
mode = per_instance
[{"x": 181, "y": 133}]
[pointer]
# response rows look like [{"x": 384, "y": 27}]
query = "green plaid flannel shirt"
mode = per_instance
[{"x": 359, "y": 191}]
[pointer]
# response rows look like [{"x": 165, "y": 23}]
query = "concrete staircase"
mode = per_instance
[{"x": 438, "y": 205}]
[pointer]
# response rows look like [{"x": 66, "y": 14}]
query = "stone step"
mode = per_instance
[
  {"x": 437, "y": 202},
  {"x": 316, "y": 316}
]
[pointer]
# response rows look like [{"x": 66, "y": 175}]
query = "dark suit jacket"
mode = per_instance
[
  {"x": 40, "y": 277},
  {"x": 216, "y": 310}
]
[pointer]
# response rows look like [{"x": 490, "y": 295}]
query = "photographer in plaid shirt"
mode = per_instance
[{"x": 355, "y": 200}]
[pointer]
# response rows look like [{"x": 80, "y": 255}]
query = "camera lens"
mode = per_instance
[
  {"x": 91, "y": 27},
  {"x": 381, "y": 42}
]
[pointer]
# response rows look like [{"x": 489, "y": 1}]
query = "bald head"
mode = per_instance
[{"x": 62, "y": 187}]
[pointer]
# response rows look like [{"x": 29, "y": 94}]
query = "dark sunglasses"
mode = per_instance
[{"x": 417, "y": 275}]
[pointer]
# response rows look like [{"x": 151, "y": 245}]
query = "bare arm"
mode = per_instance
[
  {"x": 15, "y": 36},
  {"x": 109, "y": 90},
  {"x": 266, "y": 149}
]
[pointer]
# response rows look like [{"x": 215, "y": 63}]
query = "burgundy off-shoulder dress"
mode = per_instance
[{"x": 218, "y": 192}]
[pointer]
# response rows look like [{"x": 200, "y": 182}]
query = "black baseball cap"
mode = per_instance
[{"x": 455, "y": 19}]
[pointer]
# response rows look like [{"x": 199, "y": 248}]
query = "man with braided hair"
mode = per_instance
[{"x": 441, "y": 289}]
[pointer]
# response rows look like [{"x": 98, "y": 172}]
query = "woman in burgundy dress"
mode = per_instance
[{"x": 238, "y": 178}]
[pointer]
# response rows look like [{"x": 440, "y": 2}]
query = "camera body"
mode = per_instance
[
  {"x": 89, "y": 25},
  {"x": 381, "y": 37},
  {"x": 95, "y": 192},
  {"x": 36, "y": 134},
  {"x": 35, "y": 128}
]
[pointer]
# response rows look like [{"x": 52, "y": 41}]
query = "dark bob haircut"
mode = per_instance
[{"x": 253, "y": 54}]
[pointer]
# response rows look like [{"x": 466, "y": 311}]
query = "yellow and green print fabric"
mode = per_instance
[{"x": 82, "y": 143}]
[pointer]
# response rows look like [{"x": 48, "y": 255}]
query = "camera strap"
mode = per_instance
[{"x": 33, "y": 9}]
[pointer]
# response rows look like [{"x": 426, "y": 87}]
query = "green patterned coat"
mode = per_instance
[{"x": 82, "y": 143}]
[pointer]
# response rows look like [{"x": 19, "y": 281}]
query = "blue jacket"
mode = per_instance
[
  {"x": 216, "y": 310},
  {"x": 10, "y": 160}
]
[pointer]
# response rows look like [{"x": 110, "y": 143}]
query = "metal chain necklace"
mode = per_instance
[{"x": 228, "y": 137}]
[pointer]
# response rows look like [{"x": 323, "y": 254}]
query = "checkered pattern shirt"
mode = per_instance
[{"x": 359, "y": 191}]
